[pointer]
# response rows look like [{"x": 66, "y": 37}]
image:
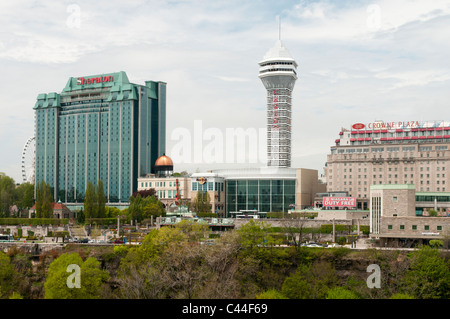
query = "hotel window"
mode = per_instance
[
  {"x": 402, "y": 227},
  {"x": 439, "y": 228},
  {"x": 414, "y": 227},
  {"x": 426, "y": 227},
  {"x": 390, "y": 227}
]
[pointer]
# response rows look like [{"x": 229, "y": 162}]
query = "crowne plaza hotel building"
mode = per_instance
[
  {"x": 409, "y": 152},
  {"x": 100, "y": 127}
]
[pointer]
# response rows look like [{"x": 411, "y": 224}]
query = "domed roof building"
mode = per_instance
[
  {"x": 172, "y": 191},
  {"x": 163, "y": 166}
]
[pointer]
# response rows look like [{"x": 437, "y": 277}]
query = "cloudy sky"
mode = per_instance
[{"x": 359, "y": 61}]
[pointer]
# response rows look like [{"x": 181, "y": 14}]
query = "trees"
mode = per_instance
[
  {"x": 101, "y": 200},
  {"x": 90, "y": 210},
  {"x": 44, "y": 200},
  {"x": 6, "y": 274},
  {"x": 341, "y": 293},
  {"x": 144, "y": 207},
  {"x": 94, "y": 201},
  {"x": 24, "y": 195},
  {"x": 312, "y": 281},
  {"x": 7, "y": 187},
  {"x": 201, "y": 203},
  {"x": 429, "y": 275},
  {"x": 91, "y": 278}
]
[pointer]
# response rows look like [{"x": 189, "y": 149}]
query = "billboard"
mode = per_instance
[{"x": 339, "y": 202}]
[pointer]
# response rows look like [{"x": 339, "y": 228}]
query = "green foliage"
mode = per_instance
[
  {"x": 90, "y": 202},
  {"x": 275, "y": 215},
  {"x": 33, "y": 221},
  {"x": 342, "y": 240},
  {"x": 144, "y": 207},
  {"x": 311, "y": 281},
  {"x": 95, "y": 200},
  {"x": 271, "y": 294},
  {"x": 436, "y": 243},
  {"x": 296, "y": 287},
  {"x": 257, "y": 234},
  {"x": 341, "y": 293},
  {"x": 201, "y": 203},
  {"x": 429, "y": 275},
  {"x": 101, "y": 200},
  {"x": 6, "y": 274},
  {"x": 23, "y": 195},
  {"x": 92, "y": 278},
  {"x": 7, "y": 188},
  {"x": 44, "y": 200},
  {"x": 81, "y": 218},
  {"x": 15, "y": 295},
  {"x": 401, "y": 296},
  {"x": 432, "y": 213}
]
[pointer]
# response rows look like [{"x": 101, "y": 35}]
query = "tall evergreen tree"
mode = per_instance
[
  {"x": 7, "y": 188},
  {"x": 101, "y": 200},
  {"x": 90, "y": 202},
  {"x": 44, "y": 200}
]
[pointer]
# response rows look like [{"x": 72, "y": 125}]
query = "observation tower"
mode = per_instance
[{"x": 277, "y": 72}]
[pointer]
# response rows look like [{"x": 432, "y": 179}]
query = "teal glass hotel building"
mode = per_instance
[{"x": 100, "y": 127}]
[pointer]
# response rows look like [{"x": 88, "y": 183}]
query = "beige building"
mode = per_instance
[
  {"x": 214, "y": 186},
  {"x": 166, "y": 188},
  {"x": 395, "y": 221},
  {"x": 389, "y": 153},
  {"x": 166, "y": 185},
  {"x": 308, "y": 185}
]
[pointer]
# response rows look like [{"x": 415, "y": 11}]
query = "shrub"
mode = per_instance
[
  {"x": 341, "y": 293},
  {"x": 342, "y": 241}
]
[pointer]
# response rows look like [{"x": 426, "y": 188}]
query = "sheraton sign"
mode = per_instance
[
  {"x": 100, "y": 79},
  {"x": 339, "y": 202}
]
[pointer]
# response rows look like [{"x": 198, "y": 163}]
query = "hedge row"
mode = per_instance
[
  {"x": 33, "y": 221},
  {"x": 323, "y": 229},
  {"x": 292, "y": 215}
]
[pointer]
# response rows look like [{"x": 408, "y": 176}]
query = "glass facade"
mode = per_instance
[
  {"x": 109, "y": 131},
  {"x": 263, "y": 195}
]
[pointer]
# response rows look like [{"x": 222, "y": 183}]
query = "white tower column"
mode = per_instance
[{"x": 278, "y": 74}]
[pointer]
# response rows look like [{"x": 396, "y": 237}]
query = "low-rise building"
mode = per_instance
[
  {"x": 171, "y": 190},
  {"x": 396, "y": 221},
  {"x": 60, "y": 211}
]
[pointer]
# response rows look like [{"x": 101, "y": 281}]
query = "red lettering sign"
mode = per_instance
[
  {"x": 101, "y": 79},
  {"x": 339, "y": 202}
]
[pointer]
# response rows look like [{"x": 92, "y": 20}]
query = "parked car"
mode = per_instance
[{"x": 311, "y": 245}]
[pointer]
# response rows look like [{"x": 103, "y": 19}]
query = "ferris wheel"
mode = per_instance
[{"x": 29, "y": 160}]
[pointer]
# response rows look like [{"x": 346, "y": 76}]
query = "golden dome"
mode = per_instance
[{"x": 164, "y": 161}]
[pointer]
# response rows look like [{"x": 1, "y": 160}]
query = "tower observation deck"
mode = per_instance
[{"x": 277, "y": 72}]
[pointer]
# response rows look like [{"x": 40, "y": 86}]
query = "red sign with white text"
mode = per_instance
[
  {"x": 358, "y": 126},
  {"x": 339, "y": 202}
]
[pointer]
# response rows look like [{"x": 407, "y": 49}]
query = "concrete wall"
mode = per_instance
[
  {"x": 342, "y": 214},
  {"x": 37, "y": 230}
]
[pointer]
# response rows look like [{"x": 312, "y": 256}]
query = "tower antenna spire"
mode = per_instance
[{"x": 279, "y": 27}]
